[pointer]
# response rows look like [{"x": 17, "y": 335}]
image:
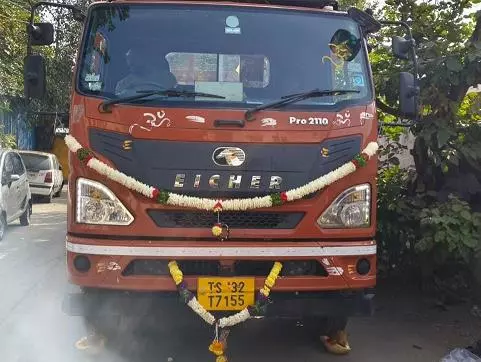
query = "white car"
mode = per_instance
[
  {"x": 44, "y": 174},
  {"x": 15, "y": 196}
]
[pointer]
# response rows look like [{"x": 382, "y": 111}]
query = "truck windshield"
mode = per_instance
[{"x": 248, "y": 56}]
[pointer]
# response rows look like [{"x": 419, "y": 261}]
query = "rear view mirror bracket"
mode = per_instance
[
  {"x": 41, "y": 34},
  {"x": 404, "y": 48},
  {"x": 366, "y": 21},
  {"x": 43, "y": 28}
]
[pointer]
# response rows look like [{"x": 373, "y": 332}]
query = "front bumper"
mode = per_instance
[{"x": 108, "y": 261}]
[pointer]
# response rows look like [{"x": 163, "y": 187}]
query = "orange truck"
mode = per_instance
[{"x": 225, "y": 136}]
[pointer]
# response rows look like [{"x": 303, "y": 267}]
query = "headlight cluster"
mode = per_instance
[
  {"x": 96, "y": 204},
  {"x": 351, "y": 209}
]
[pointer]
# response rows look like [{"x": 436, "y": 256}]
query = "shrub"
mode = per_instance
[{"x": 450, "y": 231}]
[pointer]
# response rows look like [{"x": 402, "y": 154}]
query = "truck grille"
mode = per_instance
[
  {"x": 239, "y": 220},
  {"x": 258, "y": 268}
]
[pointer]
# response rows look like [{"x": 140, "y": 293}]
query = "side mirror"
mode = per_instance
[
  {"x": 41, "y": 33},
  {"x": 401, "y": 47},
  {"x": 34, "y": 76},
  {"x": 14, "y": 178},
  {"x": 365, "y": 20},
  {"x": 408, "y": 95}
]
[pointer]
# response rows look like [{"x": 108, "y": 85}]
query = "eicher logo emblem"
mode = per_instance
[
  {"x": 228, "y": 156},
  {"x": 127, "y": 145}
]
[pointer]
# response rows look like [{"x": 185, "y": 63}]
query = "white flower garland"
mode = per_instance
[
  {"x": 193, "y": 202},
  {"x": 237, "y": 318},
  {"x": 201, "y": 311},
  {"x": 208, "y": 317}
]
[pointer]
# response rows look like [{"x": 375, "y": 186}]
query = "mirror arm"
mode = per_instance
[
  {"x": 413, "y": 51},
  {"x": 387, "y": 109},
  {"x": 414, "y": 58},
  {"x": 75, "y": 10},
  {"x": 392, "y": 111}
]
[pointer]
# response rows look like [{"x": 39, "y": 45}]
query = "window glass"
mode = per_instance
[
  {"x": 249, "y": 56},
  {"x": 251, "y": 70},
  {"x": 8, "y": 165},
  {"x": 34, "y": 162},
  {"x": 18, "y": 168}
]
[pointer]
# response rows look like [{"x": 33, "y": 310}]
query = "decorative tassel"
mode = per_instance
[
  {"x": 217, "y": 230},
  {"x": 216, "y": 348}
]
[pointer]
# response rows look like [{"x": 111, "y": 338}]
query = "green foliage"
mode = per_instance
[
  {"x": 13, "y": 17},
  {"x": 419, "y": 233},
  {"x": 7, "y": 140},
  {"x": 450, "y": 231},
  {"x": 346, "y": 4},
  {"x": 395, "y": 223},
  {"x": 431, "y": 220},
  {"x": 448, "y": 146},
  {"x": 59, "y": 57}
]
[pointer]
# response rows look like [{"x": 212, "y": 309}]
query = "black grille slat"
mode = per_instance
[
  {"x": 199, "y": 267},
  {"x": 244, "y": 220},
  {"x": 160, "y": 267},
  {"x": 259, "y": 268},
  {"x": 263, "y": 267},
  {"x": 146, "y": 267}
]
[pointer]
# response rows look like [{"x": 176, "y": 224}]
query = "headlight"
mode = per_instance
[
  {"x": 96, "y": 204},
  {"x": 351, "y": 209}
]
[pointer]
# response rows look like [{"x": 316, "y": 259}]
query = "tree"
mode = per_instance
[
  {"x": 346, "y": 4},
  {"x": 6, "y": 140},
  {"x": 13, "y": 20},
  {"x": 448, "y": 142},
  {"x": 435, "y": 214}
]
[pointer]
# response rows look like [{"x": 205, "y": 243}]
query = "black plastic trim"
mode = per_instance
[{"x": 174, "y": 238}]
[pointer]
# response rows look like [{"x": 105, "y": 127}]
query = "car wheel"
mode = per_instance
[
  {"x": 25, "y": 218},
  {"x": 3, "y": 226},
  {"x": 57, "y": 194}
]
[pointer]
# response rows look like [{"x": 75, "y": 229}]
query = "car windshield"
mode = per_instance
[
  {"x": 249, "y": 56},
  {"x": 35, "y": 162}
]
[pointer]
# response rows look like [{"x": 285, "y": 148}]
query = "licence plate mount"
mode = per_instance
[{"x": 225, "y": 294}]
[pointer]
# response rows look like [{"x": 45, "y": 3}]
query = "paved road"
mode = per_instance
[{"x": 33, "y": 328}]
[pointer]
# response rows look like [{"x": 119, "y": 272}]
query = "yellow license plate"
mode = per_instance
[{"x": 225, "y": 293}]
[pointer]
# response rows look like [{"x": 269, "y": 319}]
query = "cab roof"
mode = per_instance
[{"x": 312, "y": 4}]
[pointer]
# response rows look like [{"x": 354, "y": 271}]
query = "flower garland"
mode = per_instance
[
  {"x": 170, "y": 198},
  {"x": 258, "y": 308}
]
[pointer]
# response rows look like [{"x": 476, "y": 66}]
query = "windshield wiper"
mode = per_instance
[
  {"x": 104, "y": 107},
  {"x": 293, "y": 98}
]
